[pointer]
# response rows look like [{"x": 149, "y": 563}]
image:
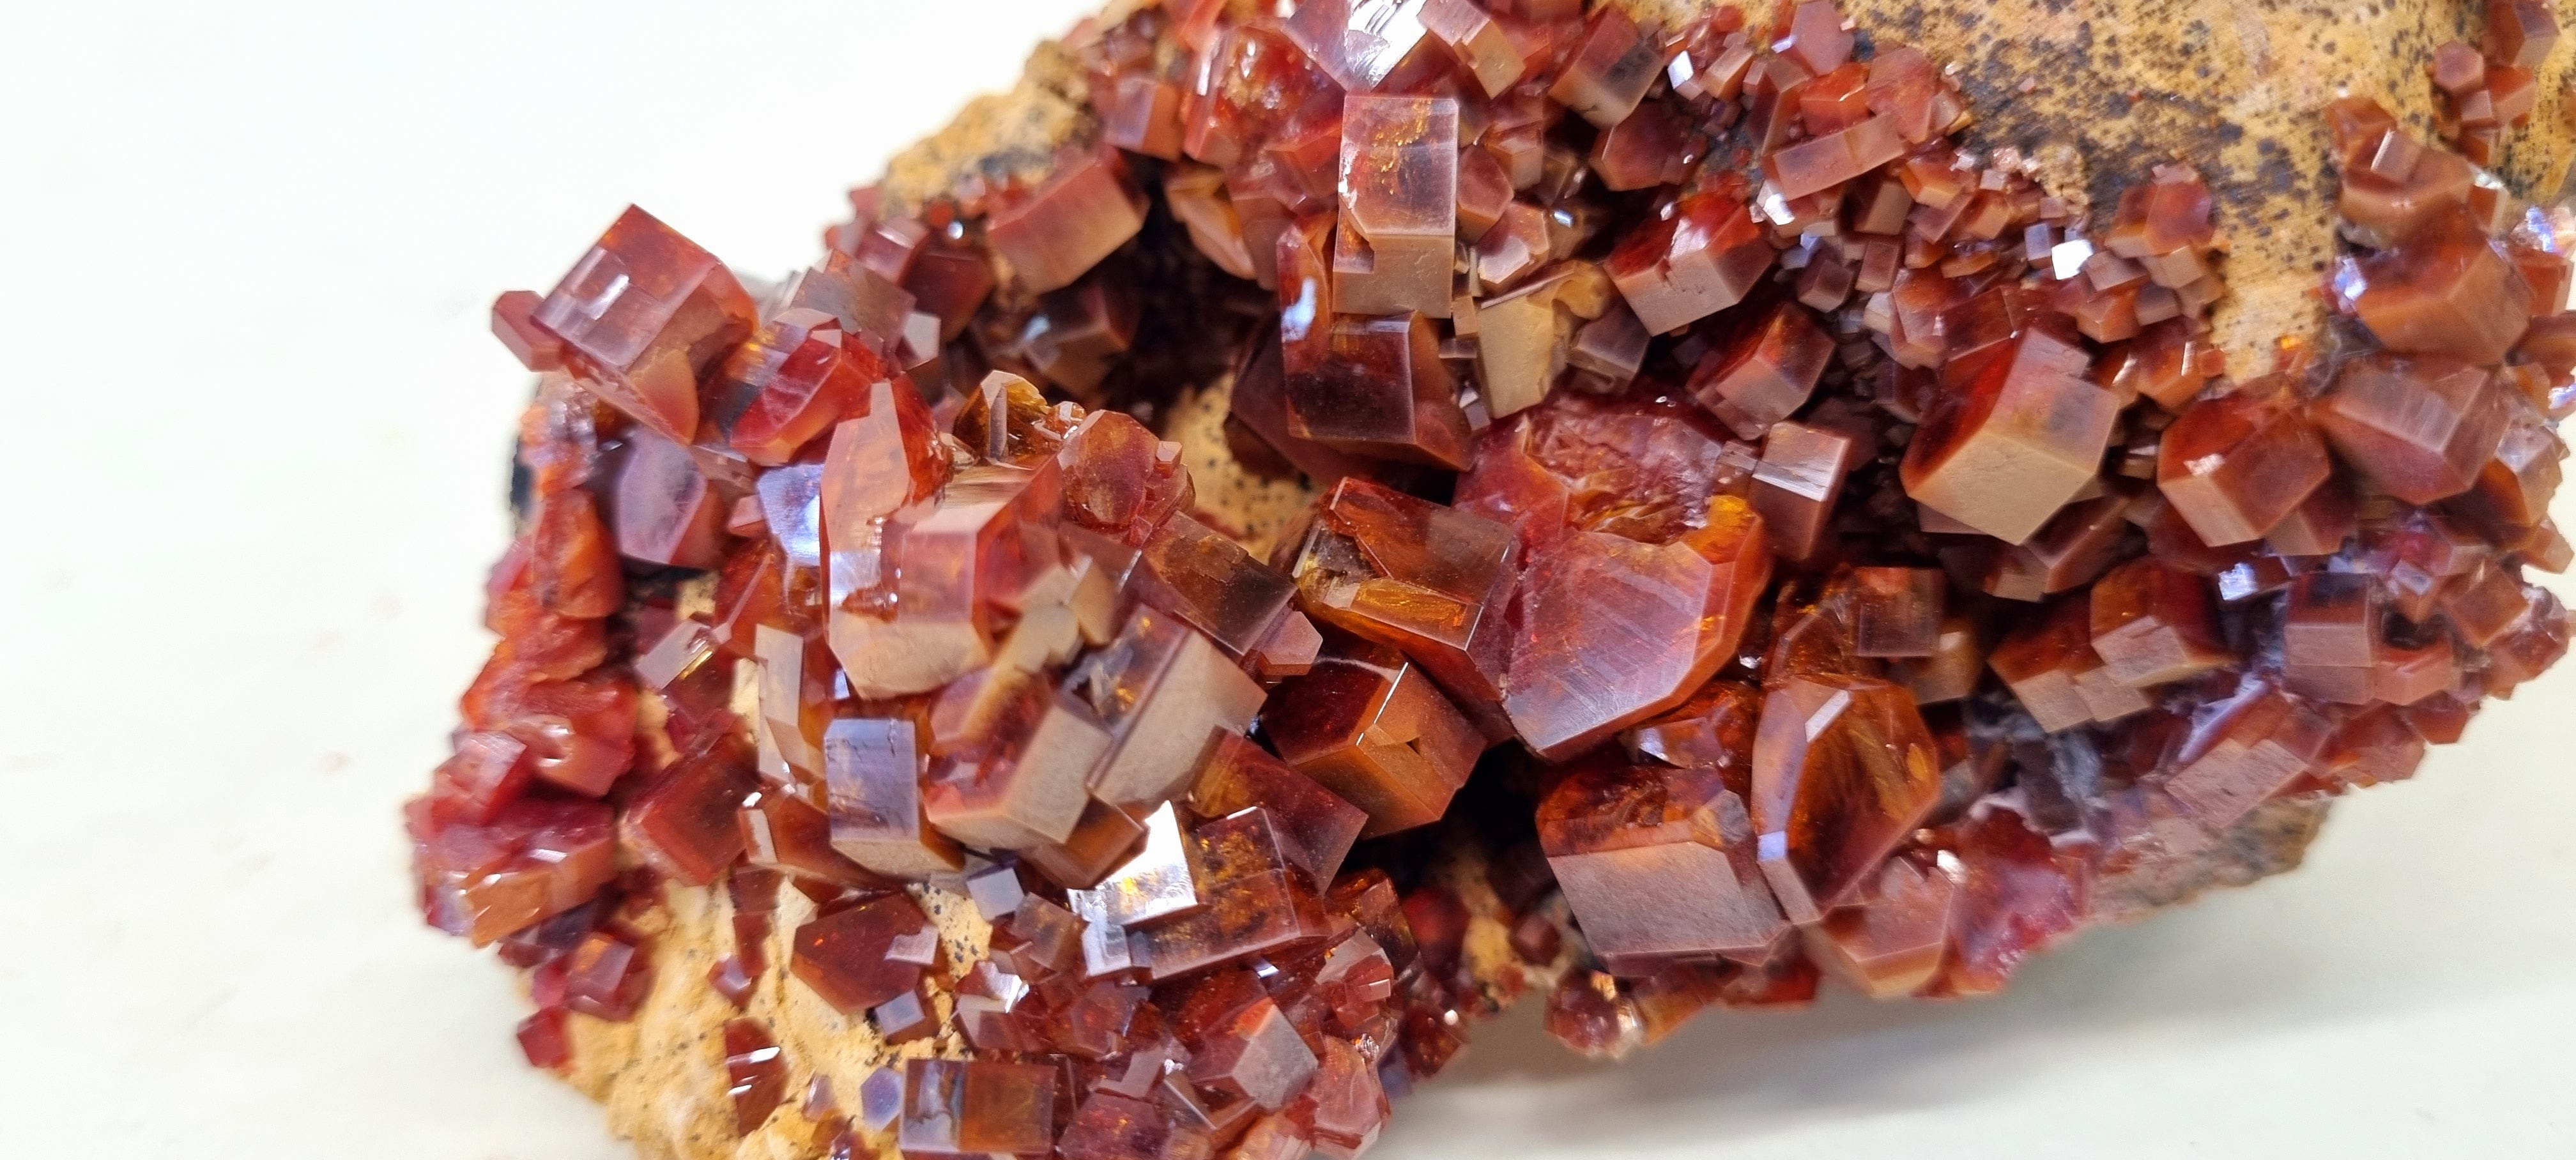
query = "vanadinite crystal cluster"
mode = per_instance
[{"x": 1752, "y": 538}]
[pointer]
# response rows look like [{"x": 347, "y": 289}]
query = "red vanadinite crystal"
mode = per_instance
[
  {"x": 1752, "y": 540},
  {"x": 642, "y": 316},
  {"x": 844, "y": 955}
]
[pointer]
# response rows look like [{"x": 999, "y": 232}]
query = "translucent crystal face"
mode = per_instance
[{"x": 1740, "y": 538}]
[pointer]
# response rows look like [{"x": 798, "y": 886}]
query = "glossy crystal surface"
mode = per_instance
[{"x": 1748, "y": 542}]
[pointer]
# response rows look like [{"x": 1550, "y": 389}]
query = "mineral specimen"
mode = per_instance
[{"x": 1753, "y": 538}]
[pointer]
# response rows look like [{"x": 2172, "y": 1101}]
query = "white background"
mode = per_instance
[{"x": 253, "y": 433}]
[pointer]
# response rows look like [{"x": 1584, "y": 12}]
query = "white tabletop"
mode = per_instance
[{"x": 255, "y": 431}]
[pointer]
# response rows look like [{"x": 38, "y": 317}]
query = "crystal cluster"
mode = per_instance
[{"x": 1779, "y": 541}]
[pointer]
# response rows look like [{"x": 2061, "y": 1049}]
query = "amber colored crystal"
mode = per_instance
[
  {"x": 1161, "y": 880},
  {"x": 783, "y": 832},
  {"x": 1079, "y": 331},
  {"x": 957, "y": 1107},
  {"x": 1653, "y": 146},
  {"x": 1643, "y": 470},
  {"x": 513, "y": 322},
  {"x": 1367, "y": 724},
  {"x": 1380, "y": 390},
  {"x": 579, "y": 735},
  {"x": 1109, "y": 1126},
  {"x": 1361, "y": 44},
  {"x": 1102, "y": 837},
  {"x": 2153, "y": 624},
  {"x": 1609, "y": 350},
  {"x": 1903, "y": 83},
  {"x": 667, "y": 510},
  {"x": 1890, "y": 943},
  {"x": 1711, "y": 731},
  {"x": 1253, "y": 79},
  {"x": 1700, "y": 257},
  {"x": 1587, "y": 1013},
  {"x": 2456, "y": 68},
  {"x": 607, "y": 977},
  {"x": 843, "y": 955},
  {"x": 544, "y": 1040},
  {"x": 1513, "y": 247},
  {"x": 1480, "y": 43},
  {"x": 1289, "y": 650},
  {"x": 2530, "y": 647},
  {"x": 538, "y": 858},
  {"x": 1813, "y": 166},
  {"x": 1951, "y": 673},
  {"x": 872, "y": 769},
  {"x": 1209, "y": 581},
  {"x": 2514, "y": 488},
  {"x": 1088, "y": 206},
  {"x": 1316, "y": 826},
  {"x": 1610, "y": 70},
  {"x": 487, "y": 771},
  {"x": 2050, "y": 663},
  {"x": 2321, "y": 523},
  {"x": 2391, "y": 183},
  {"x": 2485, "y": 604},
  {"x": 800, "y": 373},
  {"x": 1254, "y": 1054},
  {"x": 683, "y": 823},
  {"x": 1253, "y": 900},
  {"x": 642, "y": 316},
  {"x": 755, "y": 1074},
  {"x": 1399, "y": 193},
  {"x": 1609, "y": 631},
  {"x": 2234, "y": 465},
  {"x": 1843, "y": 768},
  {"x": 1897, "y": 612},
  {"x": 2520, "y": 33},
  {"x": 1484, "y": 191},
  {"x": 1797, "y": 483},
  {"x": 881, "y": 459},
  {"x": 1764, "y": 371},
  {"x": 2375, "y": 747},
  {"x": 1197, "y": 196},
  {"x": 2446, "y": 290},
  {"x": 1024, "y": 786},
  {"x": 2166, "y": 362},
  {"x": 1164, "y": 691},
  {"x": 1430, "y": 580},
  {"x": 1658, "y": 862},
  {"x": 967, "y": 565},
  {"x": 1350, "y": 1106},
  {"x": 2330, "y": 638},
  {"x": 1817, "y": 39},
  {"x": 2420, "y": 428},
  {"x": 904, "y": 1018},
  {"x": 1522, "y": 347},
  {"x": 2021, "y": 436},
  {"x": 1144, "y": 116}
]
